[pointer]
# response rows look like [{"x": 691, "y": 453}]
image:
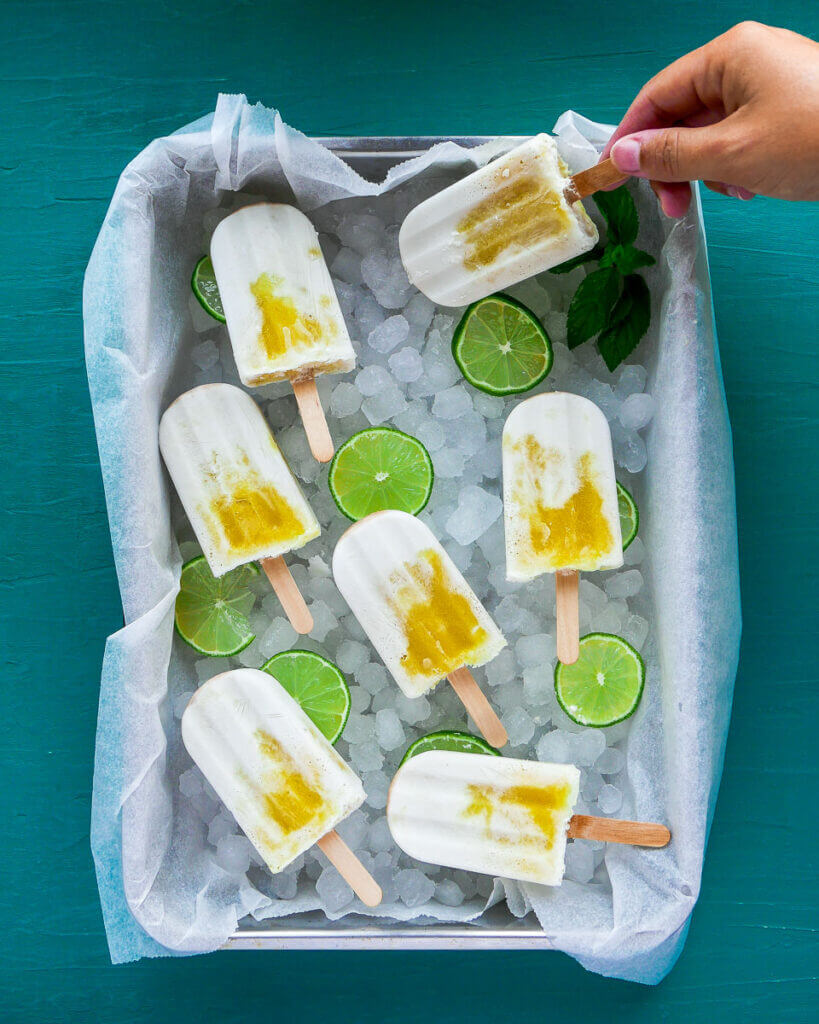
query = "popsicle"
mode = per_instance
[
  {"x": 238, "y": 492},
  {"x": 282, "y": 312},
  {"x": 418, "y": 611},
  {"x": 515, "y": 217},
  {"x": 275, "y": 772},
  {"x": 498, "y": 815},
  {"x": 560, "y": 500}
]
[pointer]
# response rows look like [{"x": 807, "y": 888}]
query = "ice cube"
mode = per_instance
[
  {"x": 384, "y": 406},
  {"x": 332, "y": 890},
  {"x": 412, "y": 710},
  {"x": 431, "y": 435},
  {"x": 366, "y": 757},
  {"x": 448, "y": 463},
  {"x": 373, "y": 677},
  {"x": 223, "y": 824},
  {"x": 180, "y": 702},
  {"x": 279, "y": 636},
  {"x": 346, "y": 397},
  {"x": 519, "y": 726},
  {"x": 376, "y": 786},
  {"x": 347, "y": 266},
  {"x": 634, "y": 631},
  {"x": 452, "y": 403},
  {"x": 353, "y": 829},
  {"x": 406, "y": 365},
  {"x": 556, "y": 747},
  {"x": 632, "y": 380},
  {"x": 609, "y": 800},
  {"x": 388, "y": 729},
  {"x": 205, "y": 354},
  {"x": 351, "y": 655},
  {"x": 624, "y": 584},
  {"x": 538, "y": 684},
  {"x": 579, "y": 862},
  {"x": 359, "y": 729},
  {"x": 372, "y": 380},
  {"x": 414, "y": 888},
  {"x": 380, "y": 837},
  {"x": 363, "y": 232},
  {"x": 477, "y": 510},
  {"x": 324, "y": 621},
  {"x": 588, "y": 746},
  {"x": 367, "y": 315},
  {"x": 419, "y": 312},
  {"x": 449, "y": 893},
  {"x": 635, "y": 552},
  {"x": 611, "y": 761},
  {"x": 389, "y": 335},
  {"x": 537, "y": 651},
  {"x": 637, "y": 411},
  {"x": 233, "y": 854}
]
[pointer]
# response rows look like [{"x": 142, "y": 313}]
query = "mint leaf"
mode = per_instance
[
  {"x": 578, "y": 261},
  {"x": 630, "y": 259},
  {"x": 620, "y": 214},
  {"x": 629, "y": 322},
  {"x": 591, "y": 305}
]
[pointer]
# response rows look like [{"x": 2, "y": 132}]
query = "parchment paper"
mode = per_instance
[{"x": 161, "y": 892}]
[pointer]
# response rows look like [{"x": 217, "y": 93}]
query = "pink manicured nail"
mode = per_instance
[
  {"x": 626, "y": 154},
  {"x": 738, "y": 192}
]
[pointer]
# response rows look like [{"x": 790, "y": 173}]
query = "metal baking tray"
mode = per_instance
[{"x": 372, "y": 157}]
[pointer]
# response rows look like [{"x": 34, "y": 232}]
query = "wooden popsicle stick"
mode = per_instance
[
  {"x": 615, "y": 830},
  {"x": 313, "y": 418},
  {"x": 567, "y": 583},
  {"x": 350, "y": 868},
  {"x": 288, "y": 593},
  {"x": 584, "y": 183},
  {"x": 475, "y": 702}
]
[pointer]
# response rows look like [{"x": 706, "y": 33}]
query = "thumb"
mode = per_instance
[{"x": 673, "y": 154}]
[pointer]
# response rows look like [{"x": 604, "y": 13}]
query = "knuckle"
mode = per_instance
[
  {"x": 669, "y": 152},
  {"x": 745, "y": 32}
]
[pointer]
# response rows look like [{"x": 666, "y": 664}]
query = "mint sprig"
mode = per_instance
[{"x": 612, "y": 302}]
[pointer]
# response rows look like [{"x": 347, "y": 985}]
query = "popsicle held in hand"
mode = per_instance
[
  {"x": 513, "y": 218},
  {"x": 281, "y": 309},
  {"x": 238, "y": 492},
  {"x": 498, "y": 816},
  {"x": 275, "y": 772},
  {"x": 418, "y": 610},
  {"x": 560, "y": 500}
]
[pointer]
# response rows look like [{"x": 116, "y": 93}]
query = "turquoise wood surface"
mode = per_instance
[{"x": 85, "y": 86}]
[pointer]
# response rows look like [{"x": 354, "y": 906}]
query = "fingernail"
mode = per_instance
[
  {"x": 626, "y": 154},
  {"x": 737, "y": 192}
]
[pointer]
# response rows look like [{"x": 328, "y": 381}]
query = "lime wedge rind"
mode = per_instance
[
  {"x": 501, "y": 347},
  {"x": 211, "y": 615},
  {"x": 206, "y": 290},
  {"x": 317, "y": 685},
  {"x": 629, "y": 514},
  {"x": 380, "y": 468},
  {"x": 449, "y": 739},
  {"x": 605, "y": 685}
]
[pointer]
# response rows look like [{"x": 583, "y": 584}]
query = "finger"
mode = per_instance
[
  {"x": 675, "y": 197},
  {"x": 675, "y": 154},
  {"x": 717, "y": 186}
]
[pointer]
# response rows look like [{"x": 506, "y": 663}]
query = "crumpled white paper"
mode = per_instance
[{"x": 161, "y": 893}]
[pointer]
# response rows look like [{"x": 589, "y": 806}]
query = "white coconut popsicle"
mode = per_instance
[
  {"x": 238, "y": 492},
  {"x": 275, "y": 772},
  {"x": 418, "y": 611},
  {"x": 560, "y": 500},
  {"x": 498, "y": 815},
  {"x": 282, "y": 312},
  {"x": 513, "y": 218}
]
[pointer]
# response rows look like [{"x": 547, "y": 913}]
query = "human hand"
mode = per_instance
[{"x": 741, "y": 113}]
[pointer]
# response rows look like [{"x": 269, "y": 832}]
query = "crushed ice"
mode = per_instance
[{"x": 406, "y": 376}]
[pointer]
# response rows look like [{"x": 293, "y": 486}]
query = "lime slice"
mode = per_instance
[
  {"x": 206, "y": 289},
  {"x": 380, "y": 468},
  {"x": 463, "y": 742},
  {"x": 604, "y": 685},
  {"x": 317, "y": 685},
  {"x": 211, "y": 614},
  {"x": 501, "y": 346},
  {"x": 629, "y": 515}
]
